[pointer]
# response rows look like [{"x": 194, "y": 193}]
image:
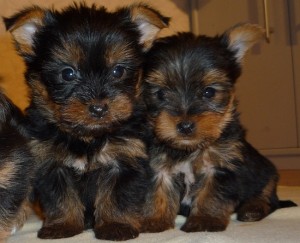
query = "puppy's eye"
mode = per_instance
[
  {"x": 68, "y": 74},
  {"x": 161, "y": 94},
  {"x": 118, "y": 71},
  {"x": 209, "y": 92}
]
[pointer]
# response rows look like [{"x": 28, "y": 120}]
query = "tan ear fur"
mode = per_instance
[
  {"x": 23, "y": 27},
  {"x": 242, "y": 37},
  {"x": 149, "y": 21}
]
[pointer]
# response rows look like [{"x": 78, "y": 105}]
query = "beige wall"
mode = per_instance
[{"x": 11, "y": 65}]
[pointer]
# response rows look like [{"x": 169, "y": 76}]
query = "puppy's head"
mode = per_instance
[
  {"x": 189, "y": 86},
  {"x": 84, "y": 63}
]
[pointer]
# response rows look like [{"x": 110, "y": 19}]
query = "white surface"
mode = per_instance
[{"x": 282, "y": 226}]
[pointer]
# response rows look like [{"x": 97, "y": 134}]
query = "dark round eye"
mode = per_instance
[
  {"x": 161, "y": 94},
  {"x": 209, "y": 92},
  {"x": 68, "y": 74},
  {"x": 118, "y": 71}
]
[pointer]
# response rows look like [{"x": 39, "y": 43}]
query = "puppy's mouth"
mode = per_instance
[
  {"x": 187, "y": 133},
  {"x": 181, "y": 135},
  {"x": 180, "y": 141},
  {"x": 95, "y": 116}
]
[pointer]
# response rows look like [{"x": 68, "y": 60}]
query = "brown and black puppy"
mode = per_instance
[
  {"x": 16, "y": 167},
  {"x": 200, "y": 156},
  {"x": 87, "y": 127}
]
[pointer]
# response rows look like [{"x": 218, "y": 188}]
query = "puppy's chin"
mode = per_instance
[
  {"x": 85, "y": 133},
  {"x": 179, "y": 142},
  {"x": 185, "y": 144},
  {"x": 91, "y": 127}
]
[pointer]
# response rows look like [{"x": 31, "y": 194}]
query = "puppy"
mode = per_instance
[
  {"x": 85, "y": 119},
  {"x": 199, "y": 153},
  {"x": 15, "y": 169}
]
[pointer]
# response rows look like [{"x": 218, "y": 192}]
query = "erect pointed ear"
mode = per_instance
[
  {"x": 23, "y": 26},
  {"x": 149, "y": 21},
  {"x": 242, "y": 37}
]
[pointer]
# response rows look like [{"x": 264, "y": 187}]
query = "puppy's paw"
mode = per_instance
[
  {"x": 58, "y": 231},
  {"x": 250, "y": 216},
  {"x": 197, "y": 224},
  {"x": 116, "y": 232},
  {"x": 253, "y": 210},
  {"x": 157, "y": 225}
]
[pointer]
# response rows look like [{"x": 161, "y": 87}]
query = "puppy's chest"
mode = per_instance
[
  {"x": 182, "y": 170},
  {"x": 187, "y": 171},
  {"x": 112, "y": 154}
]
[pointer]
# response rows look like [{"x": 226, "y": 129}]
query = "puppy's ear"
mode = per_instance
[
  {"x": 23, "y": 26},
  {"x": 241, "y": 38},
  {"x": 149, "y": 21}
]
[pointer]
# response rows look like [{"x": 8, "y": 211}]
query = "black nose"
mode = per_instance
[
  {"x": 98, "y": 110},
  {"x": 186, "y": 127}
]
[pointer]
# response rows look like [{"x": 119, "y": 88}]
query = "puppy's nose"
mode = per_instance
[
  {"x": 98, "y": 110},
  {"x": 186, "y": 127}
]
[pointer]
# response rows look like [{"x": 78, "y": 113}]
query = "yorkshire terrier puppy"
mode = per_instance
[
  {"x": 85, "y": 120},
  {"x": 199, "y": 154},
  {"x": 15, "y": 169}
]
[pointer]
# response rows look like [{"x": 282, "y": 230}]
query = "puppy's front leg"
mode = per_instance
[
  {"x": 164, "y": 206},
  {"x": 213, "y": 204},
  {"x": 63, "y": 210},
  {"x": 116, "y": 204}
]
